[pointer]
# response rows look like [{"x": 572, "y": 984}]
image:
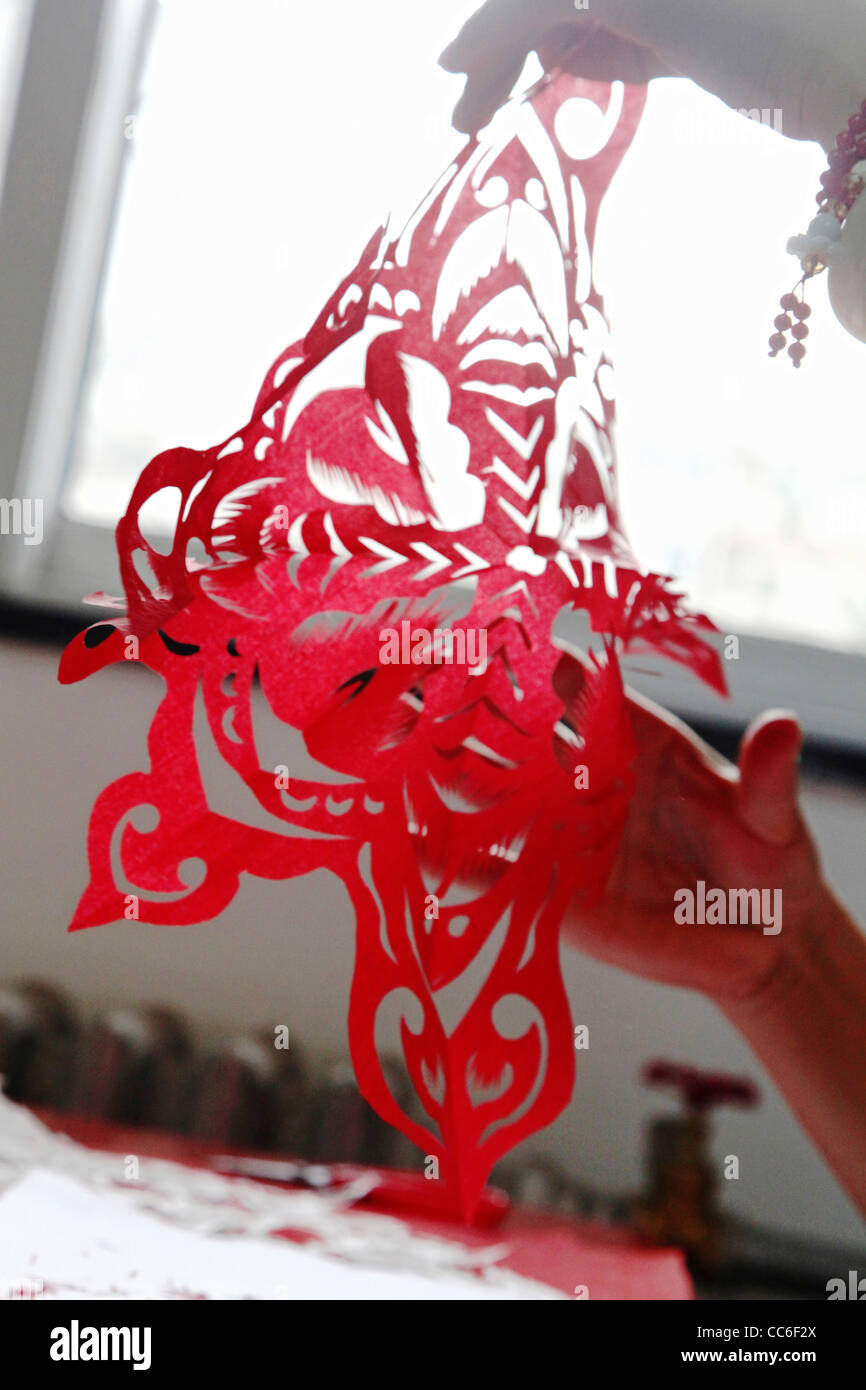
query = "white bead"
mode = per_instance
[
  {"x": 825, "y": 225},
  {"x": 823, "y": 247}
]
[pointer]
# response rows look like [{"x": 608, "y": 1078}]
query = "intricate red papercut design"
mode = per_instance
[{"x": 447, "y": 420}]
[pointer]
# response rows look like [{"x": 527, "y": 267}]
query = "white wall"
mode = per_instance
[{"x": 283, "y": 951}]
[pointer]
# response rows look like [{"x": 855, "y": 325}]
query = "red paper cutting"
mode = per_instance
[{"x": 436, "y": 454}]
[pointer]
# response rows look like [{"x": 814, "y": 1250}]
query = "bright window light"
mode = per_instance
[{"x": 273, "y": 138}]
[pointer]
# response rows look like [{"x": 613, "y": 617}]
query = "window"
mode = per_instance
[
  {"x": 234, "y": 158},
  {"x": 15, "y": 16}
]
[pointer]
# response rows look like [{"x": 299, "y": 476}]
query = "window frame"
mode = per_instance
[
  {"x": 79, "y": 83},
  {"x": 79, "y": 80}
]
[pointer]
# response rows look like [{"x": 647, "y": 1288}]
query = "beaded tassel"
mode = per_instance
[
  {"x": 841, "y": 185},
  {"x": 792, "y": 309}
]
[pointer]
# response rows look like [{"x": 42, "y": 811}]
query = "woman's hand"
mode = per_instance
[
  {"x": 492, "y": 46},
  {"x": 798, "y": 998},
  {"x": 809, "y": 60},
  {"x": 694, "y": 816},
  {"x": 805, "y": 59}
]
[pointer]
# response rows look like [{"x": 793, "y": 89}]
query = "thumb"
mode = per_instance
[
  {"x": 769, "y": 776},
  {"x": 487, "y": 90}
]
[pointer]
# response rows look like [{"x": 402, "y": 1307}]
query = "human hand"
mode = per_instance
[
  {"x": 807, "y": 60},
  {"x": 695, "y": 816},
  {"x": 492, "y": 46}
]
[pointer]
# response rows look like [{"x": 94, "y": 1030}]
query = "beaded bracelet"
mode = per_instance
[{"x": 841, "y": 185}]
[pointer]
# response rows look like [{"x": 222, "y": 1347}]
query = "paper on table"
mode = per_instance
[
  {"x": 209, "y": 1203},
  {"x": 82, "y": 1244}
]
